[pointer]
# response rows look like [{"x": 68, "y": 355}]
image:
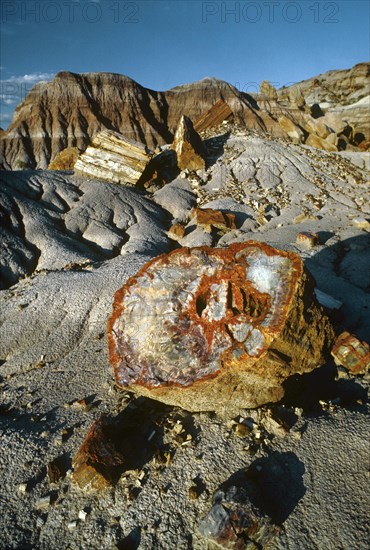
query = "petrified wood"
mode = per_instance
[
  {"x": 217, "y": 329},
  {"x": 219, "y": 112},
  {"x": 189, "y": 147},
  {"x": 114, "y": 158}
]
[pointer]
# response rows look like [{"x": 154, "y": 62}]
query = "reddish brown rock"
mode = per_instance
[
  {"x": 176, "y": 231},
  {"x": 97, "y": 463},
  {"x": 308, "y": 239},
  {"x": 217, "y": 329},
  {"x": 208, "y": 218},
  {"x": 350, "y": 353},
  {"x": 215, "y": 116},
  {"x": 189, "y": 147}
]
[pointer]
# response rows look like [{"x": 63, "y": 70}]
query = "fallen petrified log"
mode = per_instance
[
  {"x": 114, "y": 158},
  {"x": 217, "y": 328}
]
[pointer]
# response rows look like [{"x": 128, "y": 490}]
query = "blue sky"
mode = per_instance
[{"x": 162, "y": 44}]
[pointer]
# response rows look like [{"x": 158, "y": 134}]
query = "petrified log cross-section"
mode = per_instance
[{"x": 209, "y": 328}]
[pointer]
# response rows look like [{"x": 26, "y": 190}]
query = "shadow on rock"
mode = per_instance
[
  {"x": 278, "y": 481},
  {"x": 341, "y": 270},
  {"x": 321, "y": 385},
  {"x": 215, "y": 147},
  {"x": 125, "y": 442},
  {"x": 132, "y": 541}
]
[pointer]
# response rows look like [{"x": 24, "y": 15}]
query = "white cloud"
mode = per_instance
[
  {"x": 31, "y": 78},
  {"x": 14, "y": 89}
]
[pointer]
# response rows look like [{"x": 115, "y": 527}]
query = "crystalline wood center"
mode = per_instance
[{"x": 195, "y": 322}]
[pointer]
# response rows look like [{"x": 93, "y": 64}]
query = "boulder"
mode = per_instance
[
  {"x": 65, "y": 160},
  {"x": 114, "y": 158},
  {"x": 211, "y": 329},
  {"x": 320, "y": 143},
  {"x": 189, "y": 147},
  {"x": 293, "y": 131}
]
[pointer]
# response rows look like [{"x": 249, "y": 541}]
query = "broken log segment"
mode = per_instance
[{"x": 217, "y": 329}]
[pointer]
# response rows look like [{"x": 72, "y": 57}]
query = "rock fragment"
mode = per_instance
[
  {"x": 351, "y": 353},
  {"x": 97, "y": 463},
  {"x": 308, "y": 239},
  {"x": 235, "y": 522},
  {"x": 189, "y": 147},
  {"x": 217, "y": 329},
  {"x": 176, "y": 231},
  {"x": 207, "y": 218},
  {"x": 114, "y": 158}
]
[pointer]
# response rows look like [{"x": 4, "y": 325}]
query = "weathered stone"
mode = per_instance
[
  {"x": 97, "y": 461},
  {"x": 296, "y": 97},
  {"x": 189, "y": 147},
  {"x": 208, "y": 218},
  {"x": 217, "y": 329},
  {"x": 308, "y": 239},
  {"x": 236, "y": 522},
  {"x": 268, "y": 90},
  {"x": 350, "y": 353},
  {"x": 65, "y": 160},
  {"x": 320, "y": 143},
  {"x": 215, "y": 116},
  {"x": 113, "y": 157},
  {"x": 176, "y": 231},
  {"x": 292, "y": 129}
]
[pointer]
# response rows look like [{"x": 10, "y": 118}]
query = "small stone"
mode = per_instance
[
  {"x": 193, "y": 492},
  {"x": 206, "y": 218},
  {"x": 40, "y": 522},
  {"x": 23, "y": 487},
  {"x": 176, "y": 231},
  {"x": 71, "y": 526},
  {"x": 351, "y": 353},
  {"x": 80, "y": 405},
  {"x": 242, "y": 430},
  {"x": 82, "y": 514},
  {"x": 308, "y": 239},
  {"x": 327, "y": 301},
  {"x": 362, "y": 223},
  {"x": 43, "y": 502},
  {"x": 58, "y": 440},
  {"x": 233, "y": 520}
]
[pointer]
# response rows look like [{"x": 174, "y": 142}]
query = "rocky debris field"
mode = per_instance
[{"x": 289, "y": 475}]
